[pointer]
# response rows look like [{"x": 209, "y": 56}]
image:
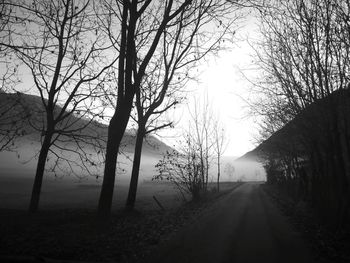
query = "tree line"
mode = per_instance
[
  {"x": 303, "y": 102},
  {"x": 82, "y": 57}
]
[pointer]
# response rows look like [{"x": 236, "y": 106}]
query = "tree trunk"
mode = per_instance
[
  {"x": 202, "y": 168},
  {"x": 130, "y": 203},
  {"x": 116, "y": 130},
  {"x": 106, "y": 196},
  {"x": 34, "y": 201},
  {"x": 218, "y": 182}
]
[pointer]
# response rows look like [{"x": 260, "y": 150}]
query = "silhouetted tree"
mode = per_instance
[
  {"x": 220, "y": 144},
  {"x": 61, "y": 47},
  {"x": 305, "y": 60},
  {"x": 143, "y": 25},
  {"x": 202, "y": 135},
  {"x": 9, "y": 120},
  {"x": 182, "y": 47},
  {"x": 183, "y": 169},
  {"x": 188, "y": 168},
  {"x": 12, "y": 118}
]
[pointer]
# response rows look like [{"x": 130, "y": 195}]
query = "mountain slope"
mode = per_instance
[
  {"x": 314, "y": 121},
  {"x": 29, "y": 112}
]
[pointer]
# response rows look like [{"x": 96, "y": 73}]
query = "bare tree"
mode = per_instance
[
  {"x": 183, "y": 169},
  {"x": 188, "y": 168},
  {"x": 132, "y": 66},
  {"x": 182, "y": 47},
  {"x": 201, "y": 132},
  {"x": 305, "y": 62},
  {"x": 143, "y": 24},
  {"x": 9, "y": 119},
  {"x": 196, "y": 152},
  {"x": 60, "y": 46},
  {"x": 220, "y": 145},
  {"x": 10, "y": 122},
  {"x": 150, "y": 107}
]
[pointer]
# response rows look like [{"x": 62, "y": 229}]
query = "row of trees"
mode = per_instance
[
  {"x": 83, "y": 56},
  {"x": 304, "y": 57}
]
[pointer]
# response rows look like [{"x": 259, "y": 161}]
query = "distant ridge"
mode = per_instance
[
  {"x": 29, "y": 110},
  {"x": 292, "y": 135},
  {"x": 249, "y": 156}
]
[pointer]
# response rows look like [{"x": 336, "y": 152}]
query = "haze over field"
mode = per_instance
[{"x": 81, "y": 189}]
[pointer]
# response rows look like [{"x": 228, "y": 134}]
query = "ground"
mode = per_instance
[
  {"x": 76, "y": 234},
  {"x": 243, "y": 226},
  {"x": 249, "y": 222},
  {"x": 329, "y": 244}
]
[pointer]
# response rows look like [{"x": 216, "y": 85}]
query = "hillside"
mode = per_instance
[
  {"x": 79, "y": 157},
  {"x": 71, "y": 180},
  {"x": 28, "y": 111},
  {"x": 249, "y": 156},
  {"x": 312, "y": 122}
]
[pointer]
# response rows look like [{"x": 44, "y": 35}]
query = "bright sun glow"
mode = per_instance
[{"x": 221, "y": 80}]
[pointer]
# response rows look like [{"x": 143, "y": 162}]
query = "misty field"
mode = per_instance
[
  {"x": 60, "y": 192},
  {"x": 71, "y": 192},
  {"x": 67, "y": 193}
]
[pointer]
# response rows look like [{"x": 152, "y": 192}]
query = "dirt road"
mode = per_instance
[{"x": 243, "y": 226}]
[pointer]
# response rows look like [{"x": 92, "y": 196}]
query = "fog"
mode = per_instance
[
  {"x": 61, "y": 190},
  {"x": 249, "y": 170},
  {"x": 246, "y": 170}
]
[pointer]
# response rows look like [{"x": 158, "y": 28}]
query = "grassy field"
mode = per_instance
[
  {"x": 70, "y": 192},
  {"x": 17, "y": 170},
  {"x": 67, "y": 194}
]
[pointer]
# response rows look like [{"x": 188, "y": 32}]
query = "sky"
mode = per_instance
[
  {"x": 227, "y": 89},
  {"x": 223, "y": 80}
]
